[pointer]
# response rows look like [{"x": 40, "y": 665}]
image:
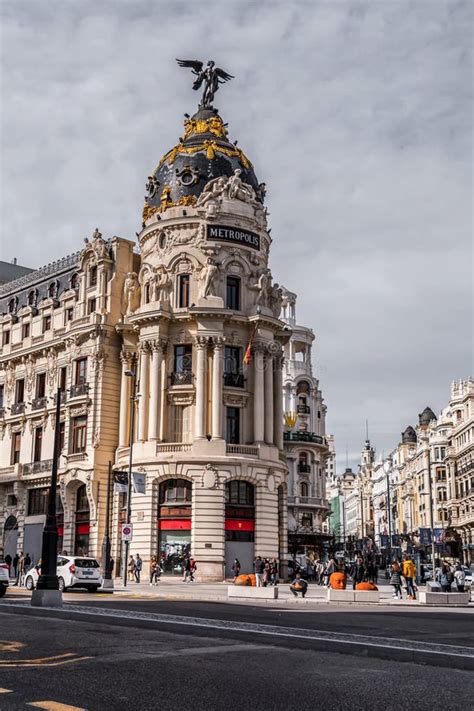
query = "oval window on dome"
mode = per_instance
[
  {"x": 187, "y": 178},
  {"x": 162, "y": 241}
]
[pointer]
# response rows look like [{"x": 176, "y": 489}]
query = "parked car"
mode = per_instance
[
  {"x": 4, "y": 577},
  {"x": 73, "y": 572}
]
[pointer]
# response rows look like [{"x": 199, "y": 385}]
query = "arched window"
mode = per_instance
[
  {"x": 146, "y": 293},
  {"x": 12, "y": 306},
  {"x": 74, "y": 281},
  {"x": 11, "y": 524},
  {"x": 303, "y": 462},
  {"x": 304, "y": 489},
  {"x": 32, "y": 298},
  {"x": 52, "y": 289},
  {"x": 176, "y": 491},
  {"x": 93, "y": 275}
]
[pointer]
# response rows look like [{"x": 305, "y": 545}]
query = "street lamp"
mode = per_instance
[
  {"x": 133, "y": 398},
  {"x": 47, "y": 588},
  {"x": 106, "y": 560}
]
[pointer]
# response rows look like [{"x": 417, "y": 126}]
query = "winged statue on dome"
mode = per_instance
[{"x": 210, "y": 76}]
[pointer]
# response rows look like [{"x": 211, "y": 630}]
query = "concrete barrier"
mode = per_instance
[
  {"x": 353, "y": 595},
  {"x": 441, "y": 598},
  {"x": 246, "y": 591}
]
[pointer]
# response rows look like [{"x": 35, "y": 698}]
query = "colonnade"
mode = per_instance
[{"x": 150, "y": 369}]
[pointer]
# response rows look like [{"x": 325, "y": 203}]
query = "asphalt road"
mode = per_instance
[
  {"x": 107, "y": 667},
  {"x": 442, "y": 627}
]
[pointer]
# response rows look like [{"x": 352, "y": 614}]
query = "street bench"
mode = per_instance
[
  {"x": 442, "y": 598},
  {"x": 353, "y": 595},
  {"x": 246, "y": 591}
]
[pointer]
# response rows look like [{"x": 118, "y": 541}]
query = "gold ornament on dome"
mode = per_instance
[
  {"x": 210, "y": 147},
  {"x": 149, "y": 211},
  {"x": 290, "y": 418},
  {"x": 213, "y": 125},
  {"x": 166, "y": 203}
]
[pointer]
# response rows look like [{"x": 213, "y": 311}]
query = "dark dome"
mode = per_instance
[
  {"x": 409, "y": 436},
  {"x": 426, "y": 416},
  {"x": 203, "y": 153}
]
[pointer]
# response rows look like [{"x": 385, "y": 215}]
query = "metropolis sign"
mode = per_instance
[{"x": 233, "y": 234}]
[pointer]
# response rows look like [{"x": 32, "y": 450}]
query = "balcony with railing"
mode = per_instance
[
  {"x": 45, "y": 465},
  {"x": 304, "y": 468},
  {"x": 234, "y": 380},
  {"x": 39, "y": 403},
  {"x": 182, "y": 378},
  {"x": 307, "y": 501},
  {"x": 79, "y": 390},
  {"x": 173, "y": 447},
  {"x": 303, "y": 437},
  {"x": 245, "y": 450},
  {"x": 18, "y": 408},
  {"x": 303, "y": 409}
]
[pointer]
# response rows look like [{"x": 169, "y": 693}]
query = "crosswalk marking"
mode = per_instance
[{"x": 54, "y": 706}]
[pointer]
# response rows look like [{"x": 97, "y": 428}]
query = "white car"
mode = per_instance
[
  {"x": 73, "y": 572},
  {"x": 4, "y": 577}
]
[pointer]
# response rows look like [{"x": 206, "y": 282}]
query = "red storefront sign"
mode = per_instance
[
  {"x": 176, "y": 524},
  {"x": 239, "y": 525}
]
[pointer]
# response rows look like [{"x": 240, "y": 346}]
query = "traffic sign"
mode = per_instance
[{"x": 127, "y": 531}]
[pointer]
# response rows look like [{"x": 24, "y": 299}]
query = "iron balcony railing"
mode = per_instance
[
  {"x": 183, "y": 378},
  {"x": 234, "y": 380},
  {"x": 44, "y": 465},
  {"x": 18, "y": 408},
  {"x": 39, "y": 403},
  {"x": 80, "y": 389}
]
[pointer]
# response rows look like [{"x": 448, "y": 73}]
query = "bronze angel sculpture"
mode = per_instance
[{"x": 211, "y": 76}]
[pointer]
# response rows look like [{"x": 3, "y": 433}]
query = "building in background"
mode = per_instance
[{"x": 307, "y": 448}]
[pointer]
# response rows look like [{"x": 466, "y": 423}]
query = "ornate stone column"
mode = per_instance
[
  {"x": 268, "y": 396},
  {"x": 278, "y": 401},
  {"x": 124, "y": 435},
  {"x": 217, "y": 370},
  {"x": 155, "y": 390},
  {"x": 258, "y": 397},
  {"x": 201, "y": 367},
  {"x": 143, "y": 392}
]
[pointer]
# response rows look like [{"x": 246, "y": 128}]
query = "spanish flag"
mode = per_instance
[{"x": 248, "y": 350}]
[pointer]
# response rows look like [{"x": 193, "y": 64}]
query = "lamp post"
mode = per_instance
[
  {"x": 47, "y": 591},
  {"x": 133, "y": 398},
  {"x": 106, "y": 567},
  {"x": 386, "y": 467}
]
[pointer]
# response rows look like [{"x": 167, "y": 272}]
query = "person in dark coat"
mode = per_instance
[
  {"x": 358, "y": 572},
  {"x": 15, "y": 565},
  {"x": 8, "y": 561}
]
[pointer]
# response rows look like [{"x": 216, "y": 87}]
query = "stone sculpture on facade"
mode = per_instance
[
  {"x": 131, "y": 290},
  {"x": 208, "y": 276}
]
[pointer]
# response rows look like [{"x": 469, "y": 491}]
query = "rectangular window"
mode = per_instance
[
  {"x": 233, "y": 425},
  {"x": 91, "y": 306},
  {"x": 79, "y": 434},
  {"x": 2, "y": 395},
  {"x": 183, "y": 290},
  {"x": 47, "y": 323},
  {"x": 68, "y": 314},
  {"x": 183, "y": 358},
  {"x": 62, "y": 378},
  {"x": 233, "y": 375},
  {"x": 41, "y": 385},
  {"x": 38, "y": 501},
  {"x": 181, "y": 431},
  {"x": 81, "y": 372},
  {"x": 20, "y": 391},
  {"x": 38, "y": 440},
  {"x": 62, "y": 435},
  {"x": 25, "y": 330},
  {"x": 233, "y": 293},
  {"x": 6, "y": 338},
  {"x": 16, "y": 446},
  {"x": 93, "y": 276}
]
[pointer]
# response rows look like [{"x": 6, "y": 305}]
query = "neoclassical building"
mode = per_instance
[
  {"x": 184, "y": 328},
  {"x": 306, "y": 445}
]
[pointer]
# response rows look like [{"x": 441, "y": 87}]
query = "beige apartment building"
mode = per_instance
[{"x": 184, "y": 327}]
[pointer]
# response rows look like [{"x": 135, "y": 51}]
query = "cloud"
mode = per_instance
[{"x": 358, "y": 117}]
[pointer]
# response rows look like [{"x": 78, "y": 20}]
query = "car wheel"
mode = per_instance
[
  {"x": 93, "y": 589},
  {"x": 3, "y": 590},
  {"x": 29, "y": 583},
  {"x": 62, "y": 586}
]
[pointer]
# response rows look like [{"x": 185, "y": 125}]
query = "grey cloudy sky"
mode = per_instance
[{"x": 358, "y": 117}]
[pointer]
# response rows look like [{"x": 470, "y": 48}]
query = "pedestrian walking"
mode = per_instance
[
  {"x": 131, "y": 568},
  {"x": 396, "y": 580},
  {"x": 21, "y": 570},
  {"x": 409, "y": 573},
  {"x": 460, "y": 577},
  {"x": 15, "y": 565},
  {"x": 259, "y": 567},
  {"x": 330, "y": 568},
  {"x": 236, "y": 569},
  {"x": 138, "y": 568},
  {"x": 8, "y": 561},
  {"x": 299, "y": 586},
  {"x": 192, "y": 570},
  {"x": 358, "y": 572},
  {"x": 266, "y": 573},
  {"x": 445, "y": 577},
  {"x": 274, "y": 572}
]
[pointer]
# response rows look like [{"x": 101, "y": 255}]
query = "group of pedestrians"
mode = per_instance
[
  {"x": 266, "y": 571},
  {"x": 155, "y": 570},
  {"x": 134, "y": 568},
  {"x": 189, "y": 569},
  {"x": 19, "y": 566},
  {"x": 450, "y": 574},
  {"x": 403, "y": 572}
]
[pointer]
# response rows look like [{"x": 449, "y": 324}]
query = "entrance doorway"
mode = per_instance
[
  {"x": 10, "y": 536},
  {"x": 81, "y": 539},
  {"x": 239, "y": 525},
  {"x": 174, "y": 525}
]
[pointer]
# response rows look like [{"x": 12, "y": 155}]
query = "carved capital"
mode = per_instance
[
  {"x": 160, "y": 345},
  {"x": 202, "y": 342}
]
